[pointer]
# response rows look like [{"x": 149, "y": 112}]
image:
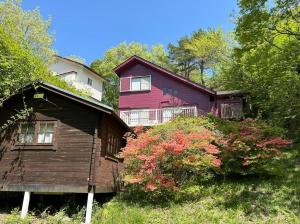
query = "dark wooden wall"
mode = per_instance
[
  {"x": 76, "y": 163},
  {"x": 108, "y": 166}
]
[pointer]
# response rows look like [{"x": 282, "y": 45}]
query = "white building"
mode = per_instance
[{"x": 79, "y": 75}]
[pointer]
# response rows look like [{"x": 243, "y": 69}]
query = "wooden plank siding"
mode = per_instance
[
  {"x": 169, "y": 90},
  {"x": 76, "y": 165}
]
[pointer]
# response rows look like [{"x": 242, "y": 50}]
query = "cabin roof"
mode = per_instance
[
  {"x": 136, "y": 59},
  {"x": 81, "y": 65},
  {"x": 97, "y": 105}
]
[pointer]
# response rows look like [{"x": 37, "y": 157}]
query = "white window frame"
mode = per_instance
[
  {"x": 130, "y": 85},
  {"x": 140, "y": 77},
  {"x": 134, "y": 120}
]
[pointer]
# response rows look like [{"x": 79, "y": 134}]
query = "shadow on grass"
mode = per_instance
[{"x": 70, "y": 203}]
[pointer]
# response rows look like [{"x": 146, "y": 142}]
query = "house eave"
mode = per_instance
[{"x": 136, "y": 59}]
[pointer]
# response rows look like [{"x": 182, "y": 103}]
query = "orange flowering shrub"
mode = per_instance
[
  {"x": 157, "y": 163},
  {"x": 168, "y": 156}
]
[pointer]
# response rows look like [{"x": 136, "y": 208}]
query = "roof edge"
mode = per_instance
[
  {"x": 82, "y": 65},
  {"x": 121, "y": 66},
  {"x": 88, "y": 102}
]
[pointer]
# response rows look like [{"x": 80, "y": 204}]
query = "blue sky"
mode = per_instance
[{"x": 88, "y": 28}]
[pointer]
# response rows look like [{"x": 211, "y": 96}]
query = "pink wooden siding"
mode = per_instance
[
  {"x": 185, "y": 95},
  {"x": 125, "y": 84}
]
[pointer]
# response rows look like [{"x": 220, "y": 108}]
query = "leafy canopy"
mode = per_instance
[
  {"x": 28, "y": 27},
  {"x": 266, "y": 61},
  {"x": 200, "y": 53},
  {"x": 25, "y": 49}
]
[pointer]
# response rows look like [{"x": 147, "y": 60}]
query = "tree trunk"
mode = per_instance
[
  {"x": 201, "y": 66},
  {"x": 186, "y": 71}
]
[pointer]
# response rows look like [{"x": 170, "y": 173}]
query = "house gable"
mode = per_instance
[
  {"x": 165, "y": 91},
  {"x": 79, "y": 75},
  {"x": 120, "y": 69}
]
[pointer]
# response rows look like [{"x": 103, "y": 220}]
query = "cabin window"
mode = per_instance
[
  {"x": 113, "y": 145},
  {"x": 46, "y": 131},
  {"x": 90, "y": 82},
  {"x": 140, "y": 83},
  {"x": 26, "y": 134},
  {"x": 37, "y": 135}
]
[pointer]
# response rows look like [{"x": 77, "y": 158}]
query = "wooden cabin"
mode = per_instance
[{"x": 68, "y": 144}]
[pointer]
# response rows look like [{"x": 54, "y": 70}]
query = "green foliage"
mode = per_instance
[
  {"x": 266, "y": 61},
  {"x": 28, "y": 28},
  {"x": 18, "y": 65},
  {"x": 208, "y": 48},
  {"x": 119, "y": 54},
  {"x": 14, "y": 218},
  {"x": 201, "y": 52},
  {"x": 25, "y": 50},
  {"x": 182, "y": 58}
]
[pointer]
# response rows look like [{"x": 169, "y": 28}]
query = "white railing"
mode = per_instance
[{"x": 149, "y": 117}]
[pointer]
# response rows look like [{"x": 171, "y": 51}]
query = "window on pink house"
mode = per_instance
[
  {"x": 140, "y": 83},
  {"x": 170, "y": 91}
]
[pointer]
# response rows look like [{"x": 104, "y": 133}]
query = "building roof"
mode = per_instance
[
  {"x": 74, "y": 97},
  {"x": 231, "y": 93},
  {"x": 82, "y": 65},
  {"x": 136, "y": 59}
]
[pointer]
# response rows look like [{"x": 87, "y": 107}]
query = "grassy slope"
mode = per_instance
[{"x": 251, "y": 200}]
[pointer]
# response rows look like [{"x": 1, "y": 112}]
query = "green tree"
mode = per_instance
[
  {"x": 183, "y": 60},
  {"x": 208, "y": 48},
  {"x": 24, "y": 50},
  {"x": 28, "y": 27},
  {"x": 116, "y": 56},
  {"x": 267, "y": 60}
]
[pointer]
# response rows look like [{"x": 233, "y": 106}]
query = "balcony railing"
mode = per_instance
[{"x": 149, "y": 117}]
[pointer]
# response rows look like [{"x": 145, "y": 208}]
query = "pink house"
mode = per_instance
[{"x": 150, "y": 95}]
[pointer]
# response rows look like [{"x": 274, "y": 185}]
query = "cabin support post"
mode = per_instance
[
  {"x": 89, "y": 208},
  {"x": 25, "y": 205}
]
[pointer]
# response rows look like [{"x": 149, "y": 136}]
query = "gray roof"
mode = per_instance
[
  {"x": 231, "y": 92},
  {"x": 87, "y": 99}
]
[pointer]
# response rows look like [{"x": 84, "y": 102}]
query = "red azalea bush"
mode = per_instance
[
  {"x": 249, "y": 146},
  {"x": 170, "y": 155}
]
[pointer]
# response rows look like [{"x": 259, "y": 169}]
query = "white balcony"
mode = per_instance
[{"x": 149, "y": 117}]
